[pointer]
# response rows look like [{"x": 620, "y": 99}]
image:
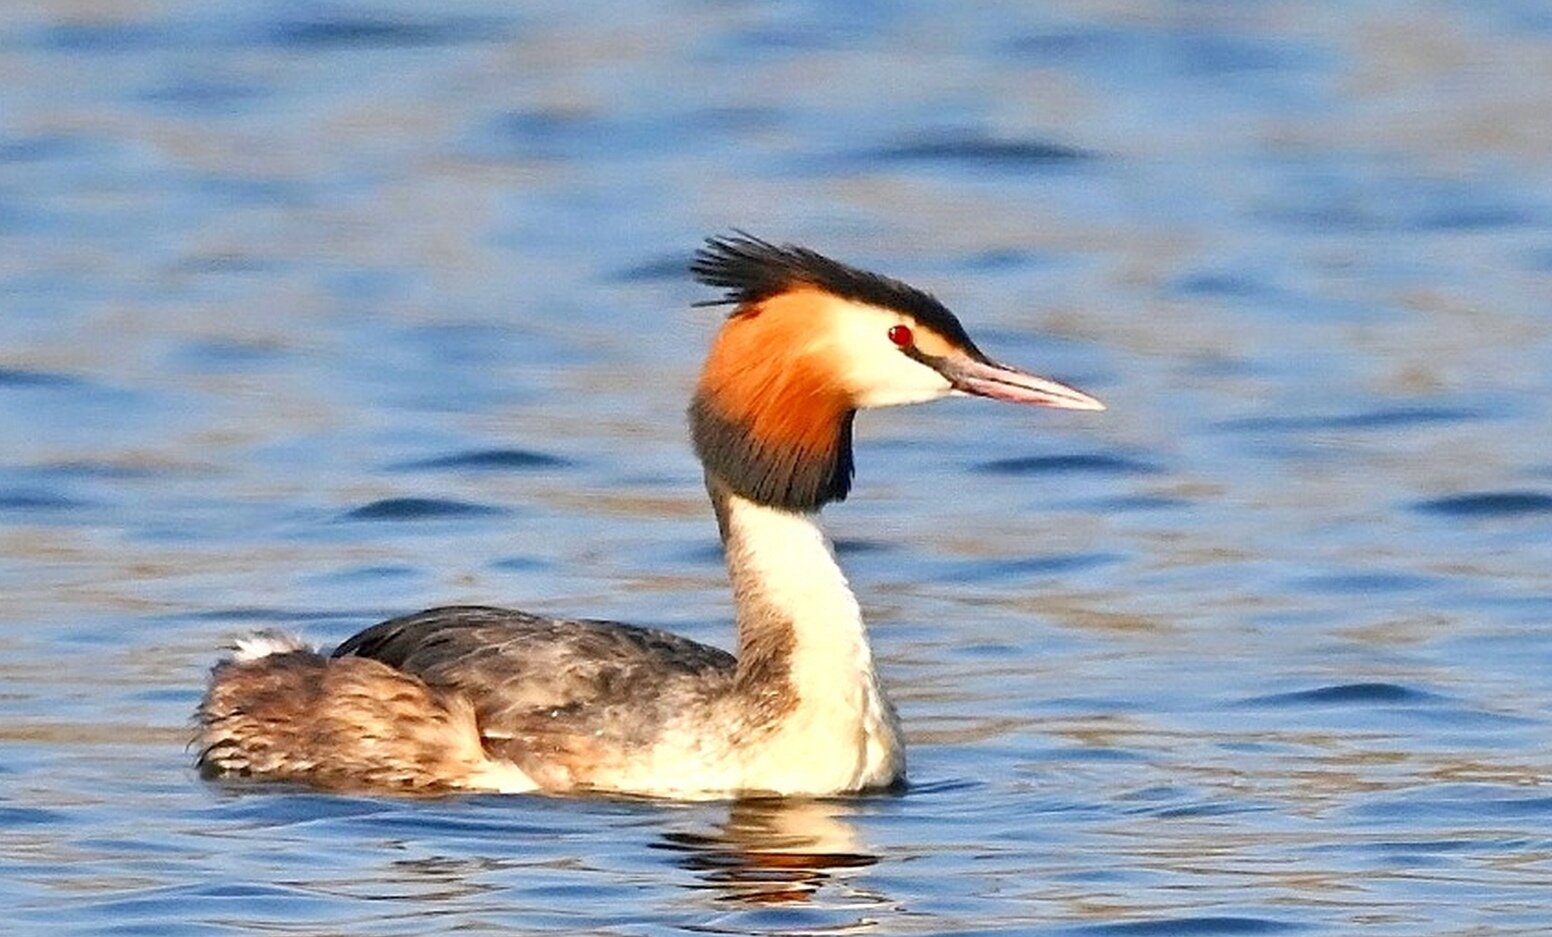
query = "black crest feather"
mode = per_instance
[{"x": 750, "y": 270}]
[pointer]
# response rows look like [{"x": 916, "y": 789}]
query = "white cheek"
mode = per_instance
[
  {"x": 877, "y": 373},
  {"x": 882, "y": 375},
  {"x": 912, "y": 383}
]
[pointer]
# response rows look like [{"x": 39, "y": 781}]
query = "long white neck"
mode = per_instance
[
  {"x": 803, "y": 656},
  {"x": 791, "y": 597}
]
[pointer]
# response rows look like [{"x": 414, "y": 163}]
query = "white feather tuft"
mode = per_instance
[{"x": 264, "y": 643}]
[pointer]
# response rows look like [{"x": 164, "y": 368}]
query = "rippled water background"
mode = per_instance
[{"x": 312, "y": 314}]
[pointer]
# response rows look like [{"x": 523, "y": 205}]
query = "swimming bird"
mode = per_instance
[{"x": 474, "y": 698}]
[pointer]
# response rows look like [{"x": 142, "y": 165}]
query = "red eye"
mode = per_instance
[{"x": 901, "y": 335}]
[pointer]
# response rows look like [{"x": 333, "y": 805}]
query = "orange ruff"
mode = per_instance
[{"x": 765, "y": 372}]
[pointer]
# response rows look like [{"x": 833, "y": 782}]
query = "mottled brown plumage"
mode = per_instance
[
  {"x": 559, "y": 698},
  {"x": 344, "y": 724}
]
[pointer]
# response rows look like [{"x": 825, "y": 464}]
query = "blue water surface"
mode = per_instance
[{"x": 312, "y": 314}]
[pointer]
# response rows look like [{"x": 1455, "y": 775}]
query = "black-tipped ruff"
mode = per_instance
[
  {"x": 751, "y": 270},
  {"x": 780, "y": 477}
]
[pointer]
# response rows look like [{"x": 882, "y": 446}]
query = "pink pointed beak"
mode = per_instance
[{"x": 1000, "y": 382}]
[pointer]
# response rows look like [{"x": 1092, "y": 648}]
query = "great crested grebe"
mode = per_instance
[{"x": 487, "y": 699}]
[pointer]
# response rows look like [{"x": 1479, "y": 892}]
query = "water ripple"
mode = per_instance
[
  {"x": 1460, "y": 802},
  {"x": 980, "y": 150},
  {"x": 1364, "y": 583},
  {"x": 1488, "y": 504},
  {"x": 13, "y": 817},
  {"x": 1347, "y": 694},
  {"x": 343, "y": 32},
  {"x": 41, "y": 146},
  {"x": 985, "y": 570},
  {"x": 1386, "y": 418},
  {"x": 26, "y": 377},
  {"x": 38, "y": 500},
  {"x": 420, "y": 509},
  {"x": 259, "y": 613},
  {"x": 103, "y": 38},
  {"x": 1183, "y": 926},
  {"x": 482, "y": 460},
  {"x": 1094, "y": 463}
]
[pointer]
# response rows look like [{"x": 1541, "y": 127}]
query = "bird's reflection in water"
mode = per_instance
[{"x": 773, "y": 851}]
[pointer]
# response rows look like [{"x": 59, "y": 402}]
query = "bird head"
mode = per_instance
[{"x": 809, "y": 342}]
